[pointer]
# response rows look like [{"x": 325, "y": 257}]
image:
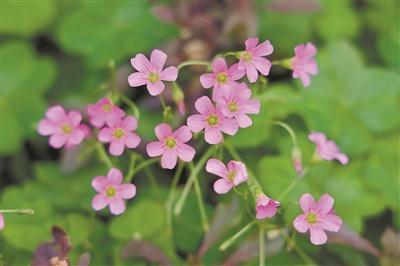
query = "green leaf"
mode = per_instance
[
  {"x": 112, "y": 31},
  {"x": 26, "y": 18},
  {"x": 145, "y": 218},
  {"x": 26, "y": 77}
]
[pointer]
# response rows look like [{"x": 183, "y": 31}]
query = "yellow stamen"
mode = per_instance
[
  {"x": 222, "y": 78},
  {"x": 170, "y": 142},
  {"x": 311, "y": 218},
  {"x": 153, "y": 77},
  {"x": 118, "y": 133},
  {"x": 66, "y": 128},
  {"x": 110, "y": 192},
  {"x": 212, "y": 120}
]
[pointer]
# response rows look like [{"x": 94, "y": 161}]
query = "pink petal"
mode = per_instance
[
  {"x": 98, "y": 120},
  {"x": 306, "y": 202},
  {"x": 76, "y": 137},
  {"x": 117, "y": 206},
  {"x": 216, "y": 167},
  {"x": 99, "y": 183},
  {"x": 141, "y": 64},
  {"x": 263, "y": 49},
  {"x": 195, "y": 123},
  {"x": 207, "y": 80},
  {"x": 99, "y": 202},
  {"x": 331, "y": 222},
  {"x": 311, "y": 67},
  {"x": 325, "y": 204},
  {"x": 263, "y": 65},
  {"x": 251, "y": 43},
  {"x": 129, "y": 123},
  {"x": 204, "y": 105},
  {"x": 252, "y": 74},
  {"x": 217, "y": 92},
  {"x": 157, "y": 59},
  {"x": 305, "y": 79},
  {"x": 241, "y": 172},
  {"x": 219, "y": 65},
  {"x": 132, "y": 140},
  {"x": 222, "y": 186},
  {"x": 229, "y": 126},
  {"x": 117, "y": 147},
  {"x": 243, "y": 121},
  {"x": 58, "y": 140},
  {"x": 46, "y": 127},
  {"x": 318, "y": 236},
  {"x": 127, "y": 191},
  {"x": 235, "y": 73},
  {"x": 185, "y": 152},
  {"x": 168, "y": 159},
  {"x": 56, "y": 114},
  {"x": 251, "y": 107},
  {"x": 75, "y": 118},
  {"x": 317, "y": 137},
  {"x": 163, "y": 131},
  {"x": 114, "y": 121},
  {"x": 155, "y": 88},
  {"x": 342, "y": 158},
  {"x": 266, "y": 211},
  {"x": 114, "y": 176},
  {"x": 137, "y": 79},
  {"x": 300, "y": 223},
  {"x": 155, "y": 148},
  {"x": 309, "y": 50},
  {"x": 213, "y": 136},
  {"x": 105, "y": 135},
  {"x": 2, "y": 223},
  {"x": 183, "y": 134},
  {"x": 169, "y": 74}
]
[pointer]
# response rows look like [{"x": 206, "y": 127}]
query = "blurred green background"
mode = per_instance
[{"x": 61, "y": 52}]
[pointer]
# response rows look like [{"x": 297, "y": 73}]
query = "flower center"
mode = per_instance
[
  {"x": 170, "y": 142},
  {"x": 231, "y": 175},
  {"x": 311, "y": 218},
  {"x": 232, "y": 106},
  {"x": 118, "y": 133},
  {"x": 153, "y": 77},
  {"x": 212, "y": 120},
  {"x": 246, "y": 56},
  {"x": 66, "y": 128},
  {"x": 110, "y": 192},
  {"x": 222, "y": 78},
  {"x": 107, "y": 107}
]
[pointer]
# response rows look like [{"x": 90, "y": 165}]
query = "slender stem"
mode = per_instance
[
  {"x": 164, "y": 106},
  {"x": 288, "y": 189},
  {"x": 289, "y": 130},
  {"x": 194, "y": 62},
  {"x": 153, "y": 180},
  {"x": 131, "y": 105},
  {"x": 203, "y": 214},
  {"x": 186, "y": 189},
  {"x": 227, "y": 243},
  {"x": 103, "y": 155},
  {"x": 19, "y": 211},
  {"x": 144, "y": 164},
  {"x": 262, "y": 246},
  {"x": 171, "y": 195},
  {"x": 301, "y": 252},
  {"x": 132, "y": 164}
]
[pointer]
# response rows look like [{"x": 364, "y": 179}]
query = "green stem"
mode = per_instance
[
  {"x": 289, "y": 130},
  {"x": 189, "y": 183},
  {"x": 164, "y": 106},
  {"x": 171, "y": 195},
  {"x": 226, "y": 244},
  {"x": 19, "y": 211},
  {"x": 199, "y": 196},
  {"x": 301, "y": 252},
  {"x": 144, "y": 164},
  {"x": 153, "y": 181},
  {"x": 288, "y": 189},
  {"x": 262, "y": 246},
  {"x": 194, "y": 62},
  {"x": 103, "y": 155},
  {"x": 132, "y": 164},
  {"x": 131, "y": 105}
]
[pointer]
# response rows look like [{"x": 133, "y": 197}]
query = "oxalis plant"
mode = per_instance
[{"x": 228, "y": 108}]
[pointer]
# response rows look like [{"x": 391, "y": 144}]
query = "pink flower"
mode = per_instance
[
  {"x": 253, "y": 59},
  {"x": 111, "y": 192},
  {"x": 221, "y": 77},
  {"x": 2, "y": 223},
  {"x": 303, "y": 63},
  {"x": 327, "y": 149},
  {"x": 231, "y": 175},
  {"x": 317, "y": 217},
  {"x": 151, "y": 73},
  {"x": 212, "y": 120},
  {"x": 64, "y": 128},
  {"x": 266, "y": 207},
  {"x": 236, "y": 103},
  {"x": 171, "y": 145},
  {"x": 120, "y": 134},
  {"x": 103, "y": 111}
]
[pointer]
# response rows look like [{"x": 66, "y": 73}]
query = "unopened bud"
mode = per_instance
[
  {"x": 179, "y": 98},
  {"x": 296, "y": 159}
]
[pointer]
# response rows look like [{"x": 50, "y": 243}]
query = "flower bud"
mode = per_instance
[
  {"x": 296, "y": 159},
  {"x": 179, "y": 98}
]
